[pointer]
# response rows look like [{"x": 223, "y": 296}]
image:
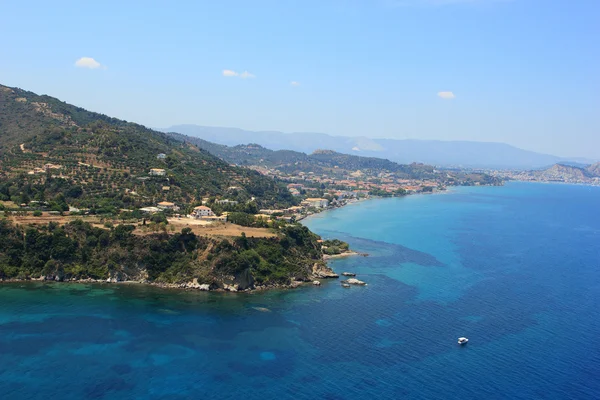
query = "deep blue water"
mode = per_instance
[{"x": 516, "y": 269}]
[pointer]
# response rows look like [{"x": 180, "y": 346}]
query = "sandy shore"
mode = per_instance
[{"x": 343, "y": 255}]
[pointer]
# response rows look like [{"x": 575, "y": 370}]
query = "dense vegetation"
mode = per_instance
[
  {"x": 78, "y": 250},
  {"x": 103, "y": 163},
  {"x": 335, "y": 246}
]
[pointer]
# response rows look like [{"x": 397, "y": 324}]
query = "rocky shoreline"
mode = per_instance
[
  {"x": 190, "y": 286},
  {"x": 318, "y": 272}
]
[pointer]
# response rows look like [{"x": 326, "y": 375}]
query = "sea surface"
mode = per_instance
[{"x": 516, "y": 269}]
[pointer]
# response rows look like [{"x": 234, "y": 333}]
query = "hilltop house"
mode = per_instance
[
  {"x": 202, "y": 211},
  {"x": 157, "y": 172},
  {"x": 167, "y": 205},
  {"x": 161, "y": 156}
]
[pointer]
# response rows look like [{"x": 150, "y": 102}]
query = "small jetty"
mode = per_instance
[{"x": 462, "y": 340}]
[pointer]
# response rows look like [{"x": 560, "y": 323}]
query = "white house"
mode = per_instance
[
  {"x": 167, "y": 205},
  {"x": 150, "y": 210},
  {"x": 202, "y": 211},
  {"x": 157, "y": 172},
  {"x": 316, "y": 202},
  {"x": 161, "y": 156}
]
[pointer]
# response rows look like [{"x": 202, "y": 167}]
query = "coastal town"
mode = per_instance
[
  {"x": 317, "y": 192},
  {"x": 558, "y": 173},
  {"x": 312, "y": 193}
]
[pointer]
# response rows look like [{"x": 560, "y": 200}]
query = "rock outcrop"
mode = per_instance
[
  {"x": 321, "y": 270},
  {"x": 353, "y": 281}
]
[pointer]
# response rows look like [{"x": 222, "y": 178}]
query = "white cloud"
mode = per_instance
[
  {"x": 446, "y": 95},
  {"x": 244, "y": 75},
  {"x": 88, "y": 62},
  {"x": 247, "y": 75},
  {"x": 228, "y": 72},
  {"x": 295, "y": 83}
]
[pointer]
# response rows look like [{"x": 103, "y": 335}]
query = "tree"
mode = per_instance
[{"x": 24, "y": 199}]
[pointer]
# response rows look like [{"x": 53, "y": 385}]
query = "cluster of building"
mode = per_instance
[
  {"x": 353, "y": 185},
  {"x": 44, "y": 169},
  {"x": 555, "y": 174},
  {"x": 318, "y": 192}
]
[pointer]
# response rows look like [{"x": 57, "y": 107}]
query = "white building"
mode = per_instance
[
  {"x": 202, "y": 211},
  {"x": 150, "y": 210},
  {"x": 316, "y": 202},
  {"x": 157, "y": 172},
  {"x": 167, "y": 205}
]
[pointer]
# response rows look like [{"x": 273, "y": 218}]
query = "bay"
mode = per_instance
[{"x": 513, "y": 268}]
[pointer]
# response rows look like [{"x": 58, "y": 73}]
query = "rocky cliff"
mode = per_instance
[{"x": 79, "y": 251}]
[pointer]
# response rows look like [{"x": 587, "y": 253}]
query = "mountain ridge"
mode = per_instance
[
  {"x": 319, "y": 161},
  {"x": 434, "y": 152},
  {"x": 99, "y": 161}
]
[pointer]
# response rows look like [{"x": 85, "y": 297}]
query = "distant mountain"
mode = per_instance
[
  {"x": 319, "y": 162},
  {"x": 442, "y": 153},
  {"x": 594, "y": 169},
  {"x": 560, "y": 172}
]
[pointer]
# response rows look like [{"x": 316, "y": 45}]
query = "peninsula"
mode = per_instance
[{"x": 84, "y": 196}]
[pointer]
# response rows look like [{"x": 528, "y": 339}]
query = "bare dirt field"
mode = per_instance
[{"x": 198, "y": 227}]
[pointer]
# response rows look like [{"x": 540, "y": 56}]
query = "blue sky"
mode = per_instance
[{"x": 524, "y": 72}]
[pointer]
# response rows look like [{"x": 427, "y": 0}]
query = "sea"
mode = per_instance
[{"x": 516, "y": 269}]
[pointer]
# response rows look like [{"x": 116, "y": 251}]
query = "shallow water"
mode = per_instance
[{"x": 513, "y": 268}]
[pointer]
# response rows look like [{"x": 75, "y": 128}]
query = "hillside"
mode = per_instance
[
  {"x": 594, "y": 169},
  {"x": 80, "y": 251},
  {"x": 406, "y": 151},
  {"x": 319, "y": 162},
  {"x": 53, "y": 151},
  {"x": 559, "y": 172}
]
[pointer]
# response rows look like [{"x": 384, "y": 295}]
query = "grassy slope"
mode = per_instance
[{"x": 118, "y": 154}]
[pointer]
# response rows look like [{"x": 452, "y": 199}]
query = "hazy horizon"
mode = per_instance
[
  {"x": 520, "y": 72},
  {"x": 166, "y": 128}
]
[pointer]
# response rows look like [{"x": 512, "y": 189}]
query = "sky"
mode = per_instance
[{"x": 523, "y": 72}]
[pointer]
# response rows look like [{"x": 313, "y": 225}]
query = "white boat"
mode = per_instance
[{"x": 462, "y": 340}]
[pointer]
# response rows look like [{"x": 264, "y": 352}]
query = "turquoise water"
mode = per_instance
[{"x": 514, "y": 268}]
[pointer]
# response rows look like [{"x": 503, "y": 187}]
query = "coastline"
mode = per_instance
[
  {"x": 193, "y": 285},
  {"x": 448, "y": 190},
  {"x": 186, "y": 287},
  {"x": 350, "y": 253},
  {"x": 555, "y": 183}
]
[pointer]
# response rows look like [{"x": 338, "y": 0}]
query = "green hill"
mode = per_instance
[
  {"x": 320, "y": 161},
  {"x": 80, "y": 251},
  {"x": 54, "y": 151}
]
